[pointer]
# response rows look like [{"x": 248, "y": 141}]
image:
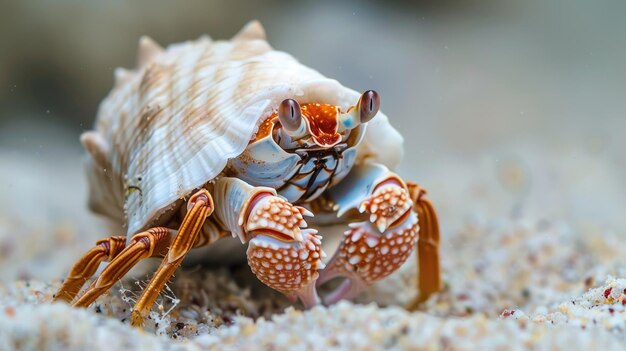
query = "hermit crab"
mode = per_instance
[{"x": 209, "y": 139}]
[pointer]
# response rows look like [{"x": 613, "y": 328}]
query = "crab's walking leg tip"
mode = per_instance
[
  {"x": 308, "y": 296},
  {"x": 136, "y": 318},
  {"x": 351, "y": 287},
  {"x": 105, "y": 250}
]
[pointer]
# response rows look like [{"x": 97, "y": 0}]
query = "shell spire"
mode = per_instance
[
  {"x": 148, "y": 48},
  {"x": 97, "y": 147},
  {"x": 252, "y": 30},
  {"x": 122, "y": 75}
]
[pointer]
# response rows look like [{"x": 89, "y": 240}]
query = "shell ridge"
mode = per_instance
[
  {"x": 198, "y": 179},
  {"x": 179, "y": 98},
  {"x": 169, "y": 99},
  {"x": 207, "y": 94}
]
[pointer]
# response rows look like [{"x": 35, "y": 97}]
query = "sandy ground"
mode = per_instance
[
  {"x": 521, "y": 271},
  {"x": 513, "y": 119}
]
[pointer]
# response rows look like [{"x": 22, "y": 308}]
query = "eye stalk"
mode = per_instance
[
  {"x": 369, "y": 103},
  {"x": 290, "y": 117},
  {"x": 363, "y": 112}
]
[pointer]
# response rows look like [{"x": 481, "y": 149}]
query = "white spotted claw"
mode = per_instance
[
  {"x": 282, "y": 252},
  {"x": 371, "y": 250}
]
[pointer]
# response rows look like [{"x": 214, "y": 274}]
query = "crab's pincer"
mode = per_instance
[
  {"x": 282, "y": 252},
  {"x": 377, "y": 247}
]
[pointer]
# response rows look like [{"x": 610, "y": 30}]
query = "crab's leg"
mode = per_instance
[
  {"x": 199, "y": 207},
  {"x": 105, "y": 250},
  {"x": 152, "y": 242},
  {"x": 429, "y": 279},
  {"x": 282, "y": 252},
  {"x": 374, "y": 248}
]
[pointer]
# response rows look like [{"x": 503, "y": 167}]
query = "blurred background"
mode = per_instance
[{"x": 508, "y": 108}]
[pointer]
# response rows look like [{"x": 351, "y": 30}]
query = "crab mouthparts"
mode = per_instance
[{"x": 327, "y": 140}]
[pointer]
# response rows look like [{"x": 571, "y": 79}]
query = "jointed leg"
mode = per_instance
[
  {"x": 105, "y": 250},
  {"x": 199, "y": 206},
  {"x": 152, "y": 242},
  {"x": 429, "y": 279},
  {"x": 155, "y": 242}
]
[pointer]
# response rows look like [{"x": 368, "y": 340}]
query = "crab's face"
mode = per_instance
[{"x": 321, "y": 126}]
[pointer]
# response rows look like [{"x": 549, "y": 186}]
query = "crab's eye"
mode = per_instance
[
  {"x": 290, "y": 115},
  {"x": 369, "y": 105}
]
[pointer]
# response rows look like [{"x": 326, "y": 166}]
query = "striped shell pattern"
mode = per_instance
[{"x": 171, "y": 125}]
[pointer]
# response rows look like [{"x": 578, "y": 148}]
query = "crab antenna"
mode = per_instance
[{"x": 363, "y": 112}]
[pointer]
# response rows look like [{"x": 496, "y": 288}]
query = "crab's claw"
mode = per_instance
[
  {"x": 283, "y": 253},
  {"x": 375, "y": 248}
]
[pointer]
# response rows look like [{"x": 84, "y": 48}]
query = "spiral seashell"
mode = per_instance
[{"x": 170, "y": 125}]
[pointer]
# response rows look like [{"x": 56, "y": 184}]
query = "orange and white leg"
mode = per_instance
[
  {"x": 105, "y": 250},
  {"x": 151, "y": 243},
  {"x": 376, "y": 247},
  {"x": 199, "y": 207},
  {"x": 428, "y": 261},
  {"x": 282, "y": 252},
  {"x": 172, "y": 245}
]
